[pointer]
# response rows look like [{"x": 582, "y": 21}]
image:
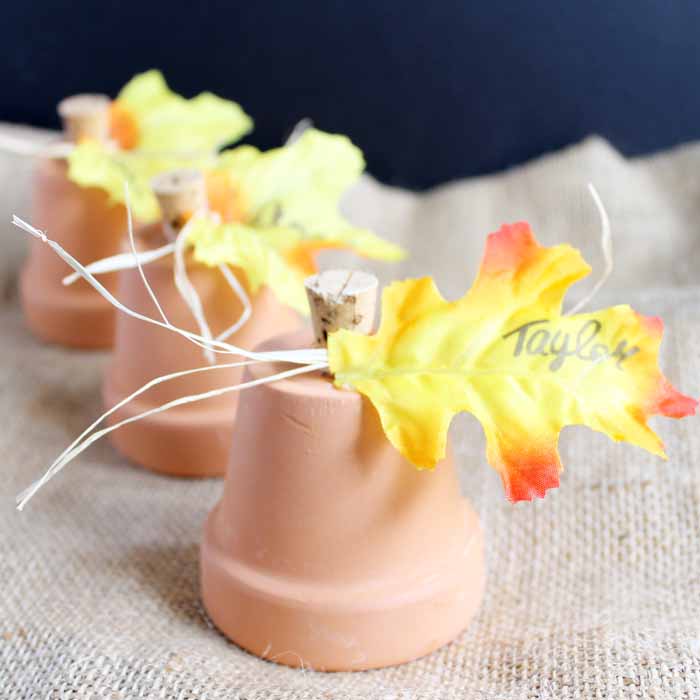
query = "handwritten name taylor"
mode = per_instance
[{"x": 534, "y": 338}]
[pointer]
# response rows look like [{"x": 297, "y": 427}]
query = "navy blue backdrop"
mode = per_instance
[{"x": 430, "y": 90}]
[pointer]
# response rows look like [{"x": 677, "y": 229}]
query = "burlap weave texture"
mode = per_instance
[{"x": 593, "y": 592}]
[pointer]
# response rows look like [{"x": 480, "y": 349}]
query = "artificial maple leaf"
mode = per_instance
[
  {"x": 242, "y": 247},
  {"x": 155, "y": 130},
  {"x": 290, "y": 195},
  {"x": 506, "y": 354},
  {"x": 274, "y": 211},
  {"x": 148, "y": 116}
]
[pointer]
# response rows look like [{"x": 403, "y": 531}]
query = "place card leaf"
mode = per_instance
[{"x": 505, "y": 353}]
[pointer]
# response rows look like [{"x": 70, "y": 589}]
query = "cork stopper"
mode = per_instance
[
  {"x": 341, "y": 299},
  {"x": 85, "y": 117},
  {"x": 180, "y": 194}
]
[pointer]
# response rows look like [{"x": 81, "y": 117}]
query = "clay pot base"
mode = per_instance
[
  {"x": 68, "y": 316},
  {"x": 328, "y": 550},
  {"x": 344, "y": 628}
]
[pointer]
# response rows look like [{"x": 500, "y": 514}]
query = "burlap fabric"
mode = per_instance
[{"x": 593, "y": 592}]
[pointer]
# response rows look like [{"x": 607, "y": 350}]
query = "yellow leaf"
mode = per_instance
[
  {"x": 197, "y": 126},
  {"x": 505, "y": 353},
  {"x": 241, "y": 247},
  {"x": 292, "y": 193},
  {"x": 144, "y": 93},
  {"x": 156, "y": 130},
  {"x": 90, "y": 164},
  {"x": 167, "y": 122}
]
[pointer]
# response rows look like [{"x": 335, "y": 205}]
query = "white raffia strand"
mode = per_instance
[
  {"x": 131, "y": 260},
  {"x": 84, "y": 441},
  {"x": 21, "y": 146},
  {"x": 132, "y": 246},
  {"x": 299, "y": 128},
  {"x": 243, "y": 298},
  {"x": 310, "y": 360},
  {"x": 122, "y": 261},
  {"x": 302, "y": 356},
  {"x": 57, "y": 465},
  {"x": 607, "y": 247},
  {"x": 187, "y": 290}
]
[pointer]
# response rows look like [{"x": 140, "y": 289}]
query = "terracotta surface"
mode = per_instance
[
  {"x": 191, "y": 440},
  {"x": 328, "y": 550},
  {"x": 84, "y": 222}
]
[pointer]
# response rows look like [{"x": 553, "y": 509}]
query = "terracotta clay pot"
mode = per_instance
[
  {"x": 190, "y": 440},
  {"x": 89, "y": 227},
  {"x": 328, "y": 550}
]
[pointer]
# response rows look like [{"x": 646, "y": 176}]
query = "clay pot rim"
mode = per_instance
[{"x": 354, "y": 596}]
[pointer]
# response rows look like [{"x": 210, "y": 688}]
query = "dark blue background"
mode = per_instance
[{"x": 430, "y": 91}]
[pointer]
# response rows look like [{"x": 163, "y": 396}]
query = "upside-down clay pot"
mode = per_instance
[
  {"x": 328, "y": 550},
  {"x": 89, "y": 227},
  {"x": 192, "y": 440}
]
